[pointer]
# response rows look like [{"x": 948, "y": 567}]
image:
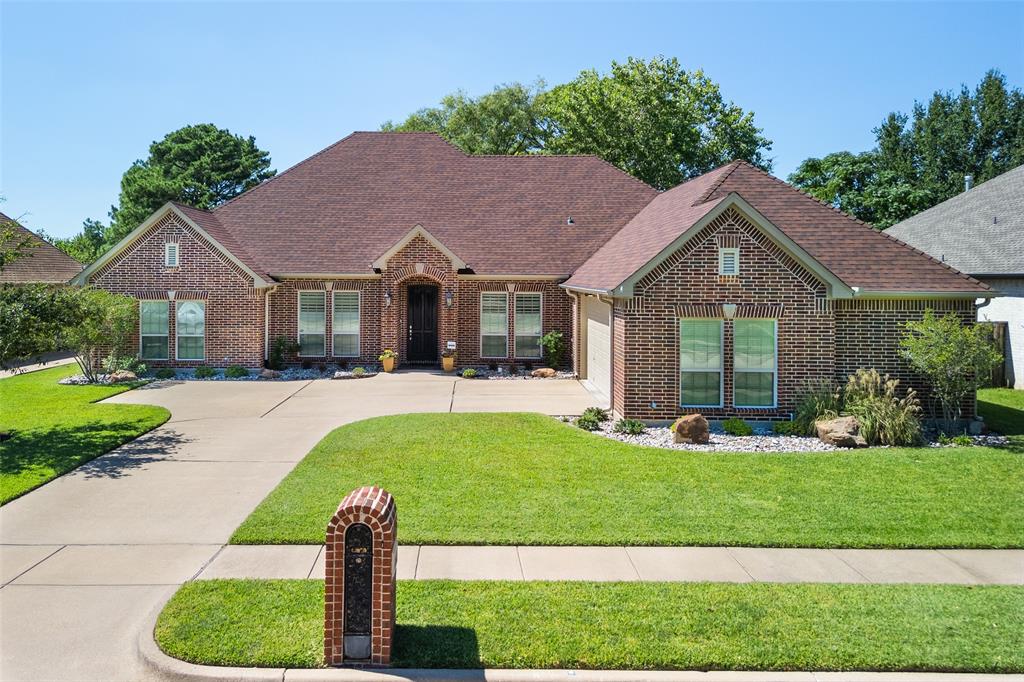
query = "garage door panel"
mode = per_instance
[{"x": 599, "y": 345}]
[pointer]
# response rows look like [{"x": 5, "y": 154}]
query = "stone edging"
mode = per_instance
[{"x": 175, "y": 669}]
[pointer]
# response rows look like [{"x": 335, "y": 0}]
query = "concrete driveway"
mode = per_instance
[{"x": 85, "y": 558}]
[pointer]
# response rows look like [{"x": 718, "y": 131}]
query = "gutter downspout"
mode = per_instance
[{"x": 266, "y": 323}]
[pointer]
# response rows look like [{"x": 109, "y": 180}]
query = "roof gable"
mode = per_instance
[
  {"x": 418, "y": 231},
  {"x": 42, "y": 262}
]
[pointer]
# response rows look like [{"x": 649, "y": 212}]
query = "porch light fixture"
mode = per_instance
[
  {"x": 729, "y": 310},
  {"x": 449, "y": 298},
  {"x": 387, "y": 299}
]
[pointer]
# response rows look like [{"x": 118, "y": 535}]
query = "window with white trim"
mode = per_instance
[
  {"x": 728, "y": 261},
  {"x": 190, "y": 327},
  {"x": 312, "y": 323},
  {"x": 754, "y": 357},
  {"x": 700, "y": 363},
  {"x": 345, "y": 323},
  {"x": 153, "y": 330},
  {"x": 171, "y": 254},
  {"x": 494, "y": 325},
  {"x": 528, "y": 325}
]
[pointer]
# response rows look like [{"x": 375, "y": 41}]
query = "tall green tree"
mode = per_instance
[
  {"x": 199, "y": 165},
  {"x": 650, "y": 118},
  {"x": 920, "y": 159},
  {"x": 87, "y": 245}
]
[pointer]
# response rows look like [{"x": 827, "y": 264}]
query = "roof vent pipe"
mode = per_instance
[{"x": 968, "y": 182}]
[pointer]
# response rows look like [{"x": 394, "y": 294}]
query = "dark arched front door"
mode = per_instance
[{"x": 422, "y": 323}]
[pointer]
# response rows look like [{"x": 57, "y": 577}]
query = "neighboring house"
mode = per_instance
[
  {"x": 41, "y": 262},
  {"x": 722, "y": 295},
  {"x": 981, "y": 232}
]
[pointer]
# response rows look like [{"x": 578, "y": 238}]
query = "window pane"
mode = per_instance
[
  {"x": 527, "y": 346},
  {"x": 494, "y": 314},
  {"x": 701, "y": 388},
  {"x": 346, "y": 345},
  {"x": 154, "y": 317},
  {"x": 154, "y": 347},
  {"x": 346, "y": 313},
  {"x": 191, "y": 318},
  {"x": 311, "y": 344},
  {"x": 191, "y": 348},
  {"x": 493, "y": 346},
  {"x": 754, "y": 389},
  {"x": 755, "y": 344},
  {"x": 312, "y": 313},
  {"x": 700, "y": 344},
  {"x": 528, "y": 314}
]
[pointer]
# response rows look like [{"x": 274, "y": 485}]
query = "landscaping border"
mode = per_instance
[{"x": 176, "y": 669}]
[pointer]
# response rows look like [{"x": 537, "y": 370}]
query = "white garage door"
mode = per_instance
[{"x": 599, "y": 345}]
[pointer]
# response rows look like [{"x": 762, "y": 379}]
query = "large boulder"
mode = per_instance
[
  {"x": 843, "y": 432},
  {"x": 691, "y": 428},
  {"x": 544, "y": 373},
  {"x": 121, "y": 376},
  {"x": 268, "y": 373}
]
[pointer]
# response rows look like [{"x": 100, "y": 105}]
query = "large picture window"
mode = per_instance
[
  {"x": 700, "y": 363},
  {"x": 494, "y": 325},
  {"x": 528, "y": 325},
  {"x": 190, "y": 324},
  {"x": 153, "y": 325},
  {"x": 754, "y": 343},
  {"x": 312, "y": 323},
  {"x": 345, "y": 323}
]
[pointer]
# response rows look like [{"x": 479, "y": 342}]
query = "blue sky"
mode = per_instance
[{"x": 87, "y": 86}]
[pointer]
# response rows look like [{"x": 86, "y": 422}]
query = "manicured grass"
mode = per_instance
[
  {"x": 529, "y": 479},
  {"x": 1003, "y": 410},
  {"x": 56, "y": 428},
  {"x": 274, "y": 623}
]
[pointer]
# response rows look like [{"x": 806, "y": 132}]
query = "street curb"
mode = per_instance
[{"x": 175, "y": 669}]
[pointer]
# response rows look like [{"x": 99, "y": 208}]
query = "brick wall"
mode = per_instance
[{"x": 234, "y": 308}]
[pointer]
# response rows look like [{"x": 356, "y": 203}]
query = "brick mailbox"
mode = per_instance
[{"x": 362, "y": 550}]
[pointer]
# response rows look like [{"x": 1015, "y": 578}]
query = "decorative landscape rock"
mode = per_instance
[
  {"x": 842, "y": 432},
  {"x": 691, "y": 428},
  {"x": 544, "y": 373},
  {"x": 269, "y": 374},
  {"x": 121, "y": 376}
]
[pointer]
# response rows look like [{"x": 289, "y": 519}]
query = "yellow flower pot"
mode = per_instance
[
  {"x": 389, "y": 364},
  {"x": 448, "y": 364}
]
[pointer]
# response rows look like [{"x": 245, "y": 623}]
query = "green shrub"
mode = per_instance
[
  {"x": 787, "y": 429},
  {"x": 204, "y": 372},
  {"x": 884, "y": 417},
  {"x": 554, "y": 348},
  {"x": 588, "y": 423},
  {"x": 961, "y": 440},
  {"x": 165, "y": 373},
  {"x": 236, "y": 372},
  {"x": 597, "y": 413},
  {"x": 468, "y": 373},
  {"x": 279, "y": 347},
  {"x": 735, "y": 426},
  {"x": 358, "y": 371},
  {"x": 130, "y": 363},
  {"x": 818, "y": 399},
  {"x": 631, "y": 427}
]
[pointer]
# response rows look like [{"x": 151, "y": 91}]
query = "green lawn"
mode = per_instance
[
  {"x": 529, "y": 479},
  {"x": 1003, "y": 410},
  {"x": 56, "y": 428},
  {"x": 279, "y": 623}
]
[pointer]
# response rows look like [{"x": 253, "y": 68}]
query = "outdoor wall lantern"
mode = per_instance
[
  {"x": 449, "y": 299},
  {"x": 387, "y": 299}
]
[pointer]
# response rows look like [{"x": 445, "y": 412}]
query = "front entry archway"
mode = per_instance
[{"x": 422, "y": 323}]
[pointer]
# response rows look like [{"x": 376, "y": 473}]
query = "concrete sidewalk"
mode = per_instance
[{"x": 675, "y": 564}]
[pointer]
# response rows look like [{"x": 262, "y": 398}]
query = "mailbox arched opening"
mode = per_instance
[{"x": 358, "y": 606}]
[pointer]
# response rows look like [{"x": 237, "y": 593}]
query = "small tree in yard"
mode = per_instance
[
  {"x": 32, "y": 320},
  {"x": 956, "y": 358},
  {"x": 104, "y": 329}
]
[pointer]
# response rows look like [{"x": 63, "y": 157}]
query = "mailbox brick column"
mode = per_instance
[{"x": 374, "y": 508}]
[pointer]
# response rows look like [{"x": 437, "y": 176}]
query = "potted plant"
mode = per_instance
[
  {"x": 387, "y": 359},
  {"x": 448, "y": 360}
]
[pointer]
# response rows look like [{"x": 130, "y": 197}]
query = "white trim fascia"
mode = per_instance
[
  {"x": 546, "y": 278},
  {"x": 359, "y": 327},
  {"x": 837, "y": 288},
  {"x": 586, "y": 290},
  {"x": 481, "y": 326},
  {"x": 515, "y": 346},
  {"x": 82, "y": 278},
  {"x": 418, "y": 231},
  {"x": 922, "y": 295},
  {"x": 298, "y": 322}
]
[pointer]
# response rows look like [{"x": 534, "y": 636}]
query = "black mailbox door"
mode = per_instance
[{"x": 358, "y": 590}]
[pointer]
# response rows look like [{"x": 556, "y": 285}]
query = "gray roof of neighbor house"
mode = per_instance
[
  {"x": 980, "y": 231},
  {"x": 43, "y": 262}
]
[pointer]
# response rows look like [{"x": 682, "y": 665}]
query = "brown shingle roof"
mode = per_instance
[
  {"x": 41, "y": 263},
  {"x": 337, "y": 211},
  {"x": 856, "y": 253}
]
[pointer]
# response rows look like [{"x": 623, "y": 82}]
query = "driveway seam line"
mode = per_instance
[
  {"x": 206, "y": 563},
  {"x": 740, "y": 564},
  {"x": 832, "y": 551},
  {"x": 966, "y": 569},
  {"x": 519, "y": 558},
  {"x": 451, "y": 401},
  {"x": 34, "y": 565},
  {"x": 290, "y": 396},
  {"x": 629, "y": 558},
  {"x": 315, "y": 560}
]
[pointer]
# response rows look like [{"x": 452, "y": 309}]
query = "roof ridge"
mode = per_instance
[
  {"x": 735, "y": 163},
  {"x": 861, "y": 223}
]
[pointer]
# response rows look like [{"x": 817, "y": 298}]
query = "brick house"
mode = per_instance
[{"x": 722, "y": 295}]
